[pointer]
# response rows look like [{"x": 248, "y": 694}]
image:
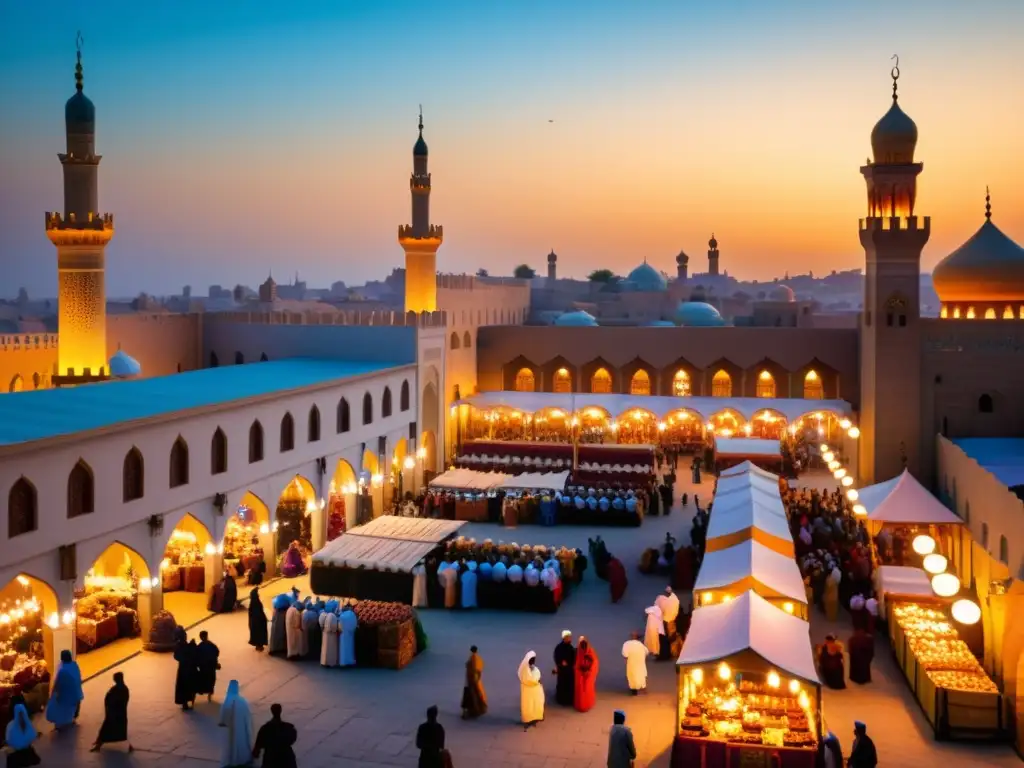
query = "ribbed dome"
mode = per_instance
[
  {"x": 894, "y": 137},
  {"x": 124, "y": 366},
  {"x": 782, "y": 293},
  {"x": 578, "y": 318},
  {"x": 646, "y": 278},
  {"x": 698, "y": 314},
  {"x": 988, "y": 267}
]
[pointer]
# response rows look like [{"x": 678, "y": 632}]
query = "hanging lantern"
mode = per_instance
[
  {"x": 966, "y": 612},
  {"x": 934, "y": 563},
  {"x": 924, "y": 544},
  {"x": 945, "y": 584}
]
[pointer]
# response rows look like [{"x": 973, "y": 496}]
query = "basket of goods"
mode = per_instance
[
  {"x": 752, "y": 722},
  {"x": 161, "y": 633},
  {"x": 375, "y": 613},
  {"x": 971, "y": 682},
  {"x": 796, "y": 739}
]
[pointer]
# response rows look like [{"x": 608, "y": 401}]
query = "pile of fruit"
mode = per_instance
[
  {"x": 376, "y": 613},
  {"x": 938, "y": 648},
  {"x": 974, "y": 681}
]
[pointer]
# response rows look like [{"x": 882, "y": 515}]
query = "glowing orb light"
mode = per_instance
[
  {"x": 934, "y": 563},
  {"x": 945, "y": 584},
  {"x": 794, "y": 687},
  {"x": 697, "y": 675},
  {"x": 924, "y": 544},
  {"x": 966, "y": 612},
  {"x": 847, "y": 481},
  {"x": 774, "y": 681},
  {"x": 860, "y": 509},
  {"x": 852, "y": 494},
  {"x": 854, "y": 433},
  {"x": 723, "y": 671}
]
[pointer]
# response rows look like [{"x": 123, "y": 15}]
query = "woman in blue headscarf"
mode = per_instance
[
  {"x": 19, "y": 737},
  {"x": 236, "y": 717},
  {"x": 67, "y": 695}
]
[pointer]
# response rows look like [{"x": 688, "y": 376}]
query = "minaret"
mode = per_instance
[
  {"x": 712, "y": 255},
  {"x": 682, "y": 265},
  {"x": 890, "y": 334},
  {"x": 421, "y": 239},
  {"x": 552, "y": 266},
  {"x": 81, "y": 235}
]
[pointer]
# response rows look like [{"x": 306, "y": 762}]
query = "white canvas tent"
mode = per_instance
[
  {"x": 750, "y": 623},
  {"x": 372, "y": 552},
  {"x": 911, "y": 503},
  {"x": 776, "y": 574},
  {"x": 873, "y": 495},
  {"x": 469, "y": 480},
  {"x": 408, "y": 528},
  {"x": 738, "y": 498},
  {"x": 901, "y": 581},
  {"x": 748, "y": 467},
  {"x": 537, "y": 481},
  {"x": 748, "y": 446}
]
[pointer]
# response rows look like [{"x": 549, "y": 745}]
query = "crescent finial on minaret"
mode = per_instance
[
  {"x": 988, "y": 203},
  {"x": 78, "y": 66}
]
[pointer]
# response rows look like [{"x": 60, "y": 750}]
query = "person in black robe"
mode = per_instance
[
  {"x": 257, "y": 622},
  {"x": 230, "y": 595},
  {"x": 275, "y": 739},
  {"x": 430, "y": 741},
  {"x": 863, "y": 754},
  {"x": 565, "y": 669},
  {"x": 862, "y": 650},
  {"x": 115, "y": 716},
  {"x": 188, "y": 671},
  {"x": 207, "y": 664},
  {"x": 831, "y": 664}
]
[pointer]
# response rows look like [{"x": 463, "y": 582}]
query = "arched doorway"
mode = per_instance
[
  {"x": 29, "y": 612},
  {"x": 183, "y": 572},
  {"x": 594, "y": 424},
  {"x": 17, "y": 384},
  {"x": 430, "y": 409},
  {"x": 427, "y": 454},
  {"x": 551, "y": 425},
  {"x": 342, "y": 495},
  {"x": 295, "y": 526},
  {"x": 247, "y": 535},
  {"x": 371, "y": 483},
  {"x": 399, "y": 481},
  {"x": 684, "y": 430},
  {"x": 638, "y": 427},
  {"x": 726, "y": 422},
  {"x": 768, "y": 423}
]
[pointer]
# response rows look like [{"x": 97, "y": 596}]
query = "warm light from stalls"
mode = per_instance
[
  {"x": 803, "y": 700},
  {"x": 854, "y": 432},
  {"x": 924, "y": 544},
  {"x": 748, "y": 429},
  {"x": 823, "y": 447},
  {"x": 377, "y": 479},
  {"x": 210, "y": 549},
  {"x": 409, "y": 463},
  {"x": 310, "y": 507},
  {"x": 662, "y": 426},
  {"x": 945, "y": 584},
  {"x": 788, "y": 608},
  {"x": 614, "y": 426},
  {"x": 774, "y": 681},
  {"x": 53, "y": 622},
  {"x": 860, "y": 510},
  {"x": 724, "y": 672},
  {"x": 710, "y": 427},
  {"x": 697, "y": 675},
  {"x": 421, "y": 452},
  {"x": 847, "y": 481},
  {"x": 707, "y": 598},
  {"x": 852, "y": 494},
  {"x": 794, "y": 687},
  {"x": 966, "y": 612},
  {"x": 154, "y": 582},
  {"x": 726, "y": 598},
  {"x": 22, "y": 580},
  {"x": 274, "y": 526},
  {"x": 165, "y": 564},
  {"x": 264, "y": 528},
  {"x": 845, "y": 423},
  {"x": 792, "y": 429},
  {"x": 67, "y": 618},
  {"x": 934, "y": 563}
]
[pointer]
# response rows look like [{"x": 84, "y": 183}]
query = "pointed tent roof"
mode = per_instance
[
  {"x": 754, "y": 491},
  {"x": 873, "y": 495},
  {"x": 909, "y": 502},
  {"x": 748, "y": 467},
  {"x": 750, "y": 510},
  {"x": 750, "y": 623},
  {"x": 752, "y": 560}
]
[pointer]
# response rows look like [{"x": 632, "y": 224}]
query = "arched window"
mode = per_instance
[
  {"x": 219, "y": 452},
  {"x": 313, "y": 425},
  {"x": 344, "y": 420},
  {"x": 1008, "y": 313},
  {"x": 35, "y": 381},
  {"x": 956, "y": 313},
  {"x": 641, "y": 383},
  {"x": 813, "y": 387},
  {"x": 944, "y": 312},
  {"x": 971, "y": 314},
  {"x": 403, "y": 397},
  {"x": 133, "y": 476},
  {"x": 1004, "y": 550},
  {"x": 287, "y": 433},
  {"x": 984, "y": 535},
  {"x": 455, "y": 340},
  {"x": 239, "y": 358},
  {"x": 385, "y": 403},
  {"x": 563, "y": 380},
  {"x": 214, "y": 362},
  {"x": 990, "y": 314},
  {"x": 985, "y": 404},
  {"x": 467, "y": 342},
  {"x": 721, "y": 384},
  {"x": 81, "y": 490},
  {"x": 255, "y": 442},
  {"x": 765, "y": 384},
  {"x": 525, "y": 381},
  {"x": 367, "y": 408},
  {"x": 600, "y": 382},
  {"x": 681, "y": 384},
  {"x": 17, "y": 383},
  {"x": 179, "y": 463},
  {"x": 22, "y": 511}
]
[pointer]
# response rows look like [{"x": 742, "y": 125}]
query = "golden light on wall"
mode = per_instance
[
  {"x": 774, "y": 681},
  {"x": 723, "y": 671},
  {"x": 697, "y": 675}
]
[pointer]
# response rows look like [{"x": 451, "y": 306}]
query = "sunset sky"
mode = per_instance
[{"x": 243, "y": 137}]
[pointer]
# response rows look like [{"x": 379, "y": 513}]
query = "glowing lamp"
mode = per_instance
[
  {"x": 774, "y": 681},
  {"x": 615, "y": 426},
  {"x": 421, "y": 453},
  {"x": 792, "y": 429},
  {"x": 697, "y": 675},
  {"x": 854, "y": 433},
  {"x": 576, "y": 422},
  {"x": 839, "y": 474},
  {"x": 847, "y": 481},
  {"x": 834, "y": 465},
  {"x": 860, "y": 509},
  {"x": 53, "y": 621},
  {"x": 154, "y": 582},
  {"x": 724, "y": 672},
  {"x": 924, "y": 544},
  {"x": 707, "y": 597},
  {"x": 966, "y": 612},
  {"x": 165, "y": 564},
  {"x": 945, "y": 584},
  {"x": 788, "y": 608},
  {"x": 803, "y": 700},
  {"x": 934, "y": 563},
  {"x": 824, "y": 447},
  {"x": 264, "y": 528},
  {"x": 210, "y": 549},
  {"x": 220, "y": 548},
  {"x": 274, "y": 527},
  {"x": 67, "y": 618},
  {"x": 748, "y": 429},
  {"x": 852, "y": 494},
  {"x": 845, "y": 423},
  {"x": 726, "y": 598},
  {"x": 662, "y": 426},
  {"x": 710, "y": 427},
  {"x": 377, "y": 479},
  {"x": 310, "y": 507},
  {"x": 409, "y": 463},
  {"x": 794, "y": 687},
  {"x": 828, "y": 456}
]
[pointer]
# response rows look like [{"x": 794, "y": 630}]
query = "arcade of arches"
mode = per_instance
[{"x": 28, "y": 615}]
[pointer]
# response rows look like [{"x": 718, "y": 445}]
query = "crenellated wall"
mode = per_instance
[{"x": 27, "y": 358}]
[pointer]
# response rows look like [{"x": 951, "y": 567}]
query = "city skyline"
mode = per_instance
[{"x": 304, "y": 123}]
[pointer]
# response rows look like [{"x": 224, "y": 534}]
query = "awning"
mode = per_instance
[
  {"x": 422, "y": 529},
  {"x": 903, "y": 581},
  {"x": 747, "y": 467},
  {"x": 739, "y": 500},
  {"x": 373, "y": 552},
  {"x": 469, "y": 480},
  {"x": 537, "y": 481},
  {"x": 750, "y": 623},
  {"x": 748, "y": 446},
  {"x": 752, "y": 561},
  {"x": 874, "y": 495},
  {"x": 911, "y": 503}
]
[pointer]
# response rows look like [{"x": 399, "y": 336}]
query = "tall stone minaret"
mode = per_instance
[
  {"x": 421, "y": 239},
  {"x": 682, "y": 266},
  {"x": 81, "y": 235},
  {"x": 552, "y": 266},
  {"x": 890, "y": 334},
  {"x": 712, "y": 255}
]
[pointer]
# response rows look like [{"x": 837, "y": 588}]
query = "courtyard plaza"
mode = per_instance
[{"x": 368, "y": 717}]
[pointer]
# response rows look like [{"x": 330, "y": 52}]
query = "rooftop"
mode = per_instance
[
  {"x": 1003, "y": 457},
  {"x": 47, "y": 413}
]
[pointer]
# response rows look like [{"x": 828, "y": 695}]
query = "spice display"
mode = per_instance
[
  {"x": 241, "y": 544},
  {"x": 937, "y": 647},
  {"x": 375, "y": 613},
  {"x": 974, "y": 681}
]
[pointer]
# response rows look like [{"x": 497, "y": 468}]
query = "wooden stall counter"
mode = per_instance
[{"x": 698, "y": 752}]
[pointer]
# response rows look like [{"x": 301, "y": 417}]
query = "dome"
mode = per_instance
[
  {"x": 124, "y": 366},
  {"x": 661, "y": 324},
  {"x": 420, "y": 148},
  {"x": 552, "y": 257},
  {"x": 579, "y": 318},
  {"x": 782, "y": 293},
  {"x": 79, "y": 114},
  {"x": 682, "y": 259},
  {"x": 988, "y": 267},
  {"x": 894, "y": 137},
  {"x": 646, "y": 278},
  {"x": 698, "y": 314}
]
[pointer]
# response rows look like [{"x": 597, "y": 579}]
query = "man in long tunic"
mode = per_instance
[
  {"x": 279, "y": 625},
  {"x": 114, "y": 729},
  {"x": 207, "y": 663},
  {"x": 449, "y": 579},
  {"x": 862, "y": 650},
  {"x": 329, "y": 641},
  {"x": 635, "y": 654},
  {"x": 565, "y": 669},
  {"x": 347, "y": 640},
  {"x": 293, "y": 625},
  {"x": 531, "y": 692},
  {"x": 474, "y": 698},
  {"x": 669, "y": 605}
]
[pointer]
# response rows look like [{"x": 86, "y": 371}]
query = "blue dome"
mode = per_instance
[
  {"x": 79, "y": 114},
  {"x": 646, "y": 278},
  {"x": 578, "y": 318},
  {"x": 661, "y": 324},
  {"x": 124, "y": 366},
  {"x": 420, "y": 148},
  {"x": 698, "y": 314}
]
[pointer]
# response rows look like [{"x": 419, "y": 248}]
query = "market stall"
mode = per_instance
[
  {"x": 107, "y": 608},
  {"x": 748, "y": 515},
  {"x": 762, "y": 452},
  {"x": 23, "y": 666},
  {"x": 736, "y": 491},
  {"x": 727, "y": 573},
  {"x": 748, "y": 691},
  {"x": 748, "y": 467},
  {"x": 182, "y": 567},
  {"x": 242, "y": 551}
]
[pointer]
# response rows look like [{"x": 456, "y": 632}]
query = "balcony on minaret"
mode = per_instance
[
  {"x": 433, "y": 232},
  {"x": 420, "y": 182},
  {"x": 94, "y": 229}
]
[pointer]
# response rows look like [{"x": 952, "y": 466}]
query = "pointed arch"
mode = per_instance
[
  {"x": 454, "y": 344},
  {"x": 255, "y": 442},
  {"x": 133, "y": 476},
  {"x": 22, "y": 508},
  {"x": 287, "y": 432},
  {"x": 640, "y": 384},
  {"x": 403, "y": 396},
  {"x": 17, "y": 384},
  {"x": 562, "y": 380},
  {"x": 600, "y": 382},
  {"x": 525, "y": 381},
  {"x": 721, "y": 383},
  {"x": 513, "y": 368},
  {"x": 179, "y": 463},
  {"x": 765, "y": 386},
  {"x": 385, "y": 403},
  {"x": 766, "y": 379},
  {"x": 367, "y": 408},
  {"x": 682, "y": 384},
  {"x": 313, "y": 425},
  {"x": 636, "y": 376},
  {"x": 814, "y": 388},
  {"x": 344, "y": 417},
  {"x": 467, "y": 340},
  {"x": 35, "y": 380},
  {"x": 218, "y": 452},
  {"x": 559, "y": 375},
  {"x": 81, "y": 490}
]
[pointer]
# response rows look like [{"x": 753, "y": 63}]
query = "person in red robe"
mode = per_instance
[
  {"x": 683, "y": 569},
  {"x": 617, "y": 579},
  {"x": 862, "y": 650},
  {"x": 587, "y": 664}
]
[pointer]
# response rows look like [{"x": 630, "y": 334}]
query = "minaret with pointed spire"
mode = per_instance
[
  {"x": 81, "y": 234},
  {"x": 421, "y": 239},
  {"x": 713, "y": 255}
]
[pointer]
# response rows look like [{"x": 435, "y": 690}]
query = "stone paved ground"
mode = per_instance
[{"x": 368, "y": 717}]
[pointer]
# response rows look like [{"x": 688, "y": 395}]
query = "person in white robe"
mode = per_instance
[
  {"x": 293, "y": 626},
  {"x": 349, "y": 623},
  {"x": 549, "y": 578},
  {"x": 531, "y": 691},
  {"x": 655, "y": 628},
  {"x": 236, "y": 717},
  {"x": 419, "y": 586},
  {"x": 310, "y": 627},
  {"x": 329, "y": 645},
  {"x": 469, "y": 587},
  {"x": 669, "y": 605},
  {"x": 635, "y": 654},
  {"x": 449, "y": 579}
]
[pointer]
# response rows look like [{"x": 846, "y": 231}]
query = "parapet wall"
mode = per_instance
[{"x": 342, "y": 317}]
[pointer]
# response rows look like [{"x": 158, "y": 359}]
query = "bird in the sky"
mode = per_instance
[{"x": 551, "y": 121}]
